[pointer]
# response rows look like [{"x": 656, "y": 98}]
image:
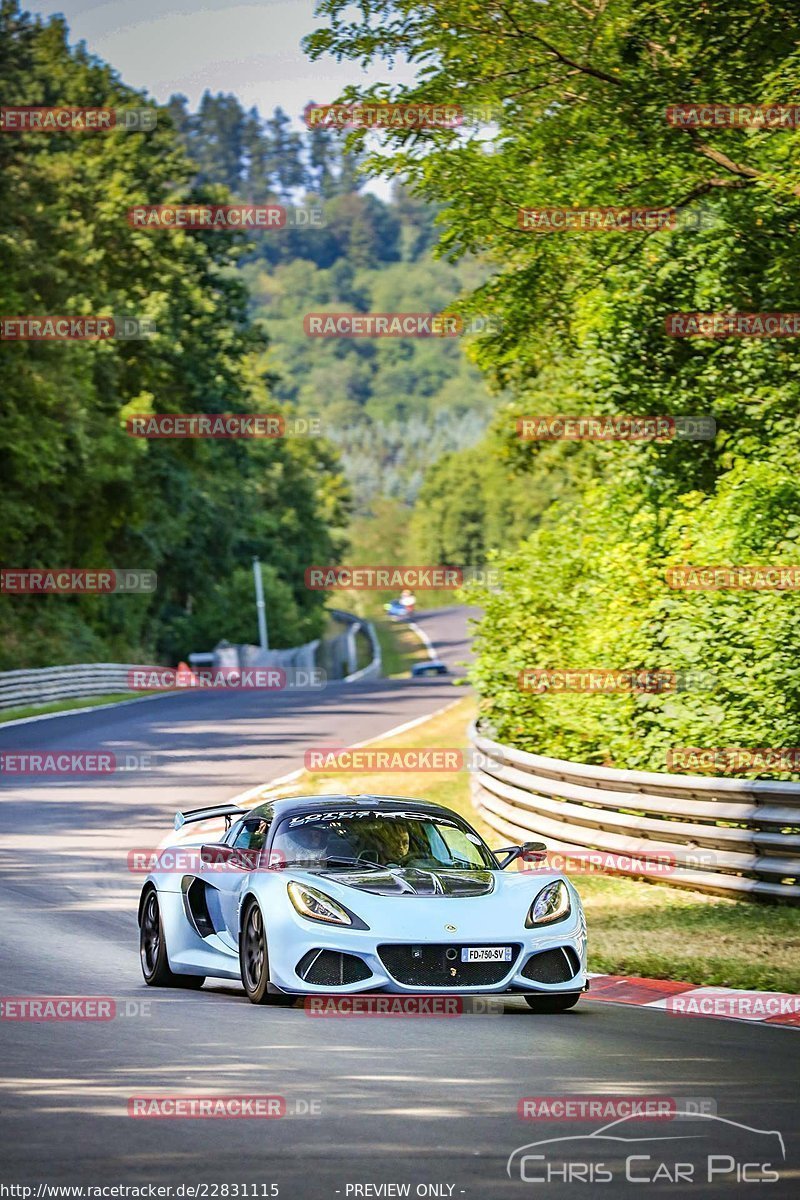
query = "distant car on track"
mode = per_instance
[
  {"x": 398, "y": 610},
  {"x": 353, "y": 894},
  {"x": 432, "y": 666}
]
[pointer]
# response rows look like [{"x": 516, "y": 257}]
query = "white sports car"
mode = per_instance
[{"x": 342, "y": 894}]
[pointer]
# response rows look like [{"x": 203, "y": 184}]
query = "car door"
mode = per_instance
[{"x": 232, "y": 876}]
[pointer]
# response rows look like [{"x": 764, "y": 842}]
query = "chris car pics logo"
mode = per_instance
[{"x": 703, "y": 1149}]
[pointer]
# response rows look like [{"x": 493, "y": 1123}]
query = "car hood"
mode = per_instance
[{"x": 414, "y": 881}]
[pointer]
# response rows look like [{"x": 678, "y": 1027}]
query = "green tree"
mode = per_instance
[
  {"x": 578, "y": 99},
  {"x": 79, "y": 491},
  {"x": 284, "y": 163},
  {"x": 217, "y": 141}
]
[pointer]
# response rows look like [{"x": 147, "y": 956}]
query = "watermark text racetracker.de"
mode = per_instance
[
  {"x": 596, "y": 220},
  {"x": 733, "y": 760},
  {"x": 611, "y": 680},
  {"x": 74, "y": 762},
  {"x": 231, "y": 217},
  {"x": 740, "y": 578},
  {"x": 396, "y": 324},
  {"x": 214, "y": 858},
  {"x": 383, "y": 115},
  {"x": 221, "y": 425},
  {"x": 736, "y": 324},
  {"x": 391, "y": 578},
  {"x": 366, "y": 1005},
  {"x": 37, "y": 119},
  {"x": 611, "y": 219},
  {"x": 652, "y": 860},
  {"x": 271, "y": 679},
  {"x": 368, "y": 759},
  {"x": 221, "y": 1107},
  {"x": 608, "y": 1107},
  {"x": 61, "y": 328},
  {"x": 39, "y": 581},
  {"x": 734, "y": 116},
  {"x": 615, "y": 428},
  {"x": 377, "y": 115},
  {"x": 742, "y": 1005},
  {"x": 71, "y": 1008}
]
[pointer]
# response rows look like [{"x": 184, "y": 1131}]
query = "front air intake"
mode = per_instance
[
  {"x": 440, "y": 966},
  {"x": 331, "y": 968},
  {"x": 552, "y": 966}
]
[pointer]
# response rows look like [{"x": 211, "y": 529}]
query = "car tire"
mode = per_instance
[
  {"x": 153, "y": 949},
  {"x": 553, "y": 1004},
  {"x": 254, "y": 959}
]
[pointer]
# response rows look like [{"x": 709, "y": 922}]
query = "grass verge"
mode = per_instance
[
  {"x": 400, "y": 647},
  {"x": 634, "y": 928},
  {"x": 37, "y": 710},
  {"x": 668, "y": 933}
]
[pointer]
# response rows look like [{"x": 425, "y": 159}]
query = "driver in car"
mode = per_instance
[
  {"x": 397, "y": 846},
  {"x": 305, "y": 846}
]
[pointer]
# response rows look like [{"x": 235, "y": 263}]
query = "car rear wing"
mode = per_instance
[{"x": 228, "y": 811}]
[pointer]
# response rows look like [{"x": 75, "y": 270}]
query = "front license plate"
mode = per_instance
[{"x": 486, "y": 954}]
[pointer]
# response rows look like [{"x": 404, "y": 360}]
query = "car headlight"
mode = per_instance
[
  {"x": 552, "y": 904},
  {"x": 316, "y": 905}
]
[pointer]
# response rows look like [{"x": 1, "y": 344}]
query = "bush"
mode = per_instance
[{"x": 588, "y": 589}]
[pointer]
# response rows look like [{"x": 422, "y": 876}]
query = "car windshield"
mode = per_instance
[{"x": 368, "y": 839}]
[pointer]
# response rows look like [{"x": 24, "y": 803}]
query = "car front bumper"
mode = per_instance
[{"x": 288, "y": 947}]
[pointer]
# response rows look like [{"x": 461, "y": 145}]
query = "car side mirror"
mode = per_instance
[{"x": 530, "y": 852}]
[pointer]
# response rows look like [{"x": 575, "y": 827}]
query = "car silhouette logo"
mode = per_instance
[
  {"x": 451, "y": 928},
  {"x": 615, "y": 1133}
]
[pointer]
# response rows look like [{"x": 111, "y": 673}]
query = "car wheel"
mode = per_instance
[
  {"x": 553, "y": 1004},
  {"x": 254, "y": 959},
  {"x": 153, "y": 950}
]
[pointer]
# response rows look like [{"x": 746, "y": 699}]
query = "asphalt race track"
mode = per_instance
[{"x": 425, "y": 1101}]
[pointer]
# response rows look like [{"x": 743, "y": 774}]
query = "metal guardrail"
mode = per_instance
[
  {"x": 353, "y": 626},
  {"x": 47, "y": 684},
  {"x": 730, "y": 837},
  {"x": 374, "y": 668}
]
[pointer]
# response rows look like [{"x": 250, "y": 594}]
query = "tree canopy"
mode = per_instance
[
  {"x": 78, "y": 490},
  {"x": 578, "y": 97}
]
